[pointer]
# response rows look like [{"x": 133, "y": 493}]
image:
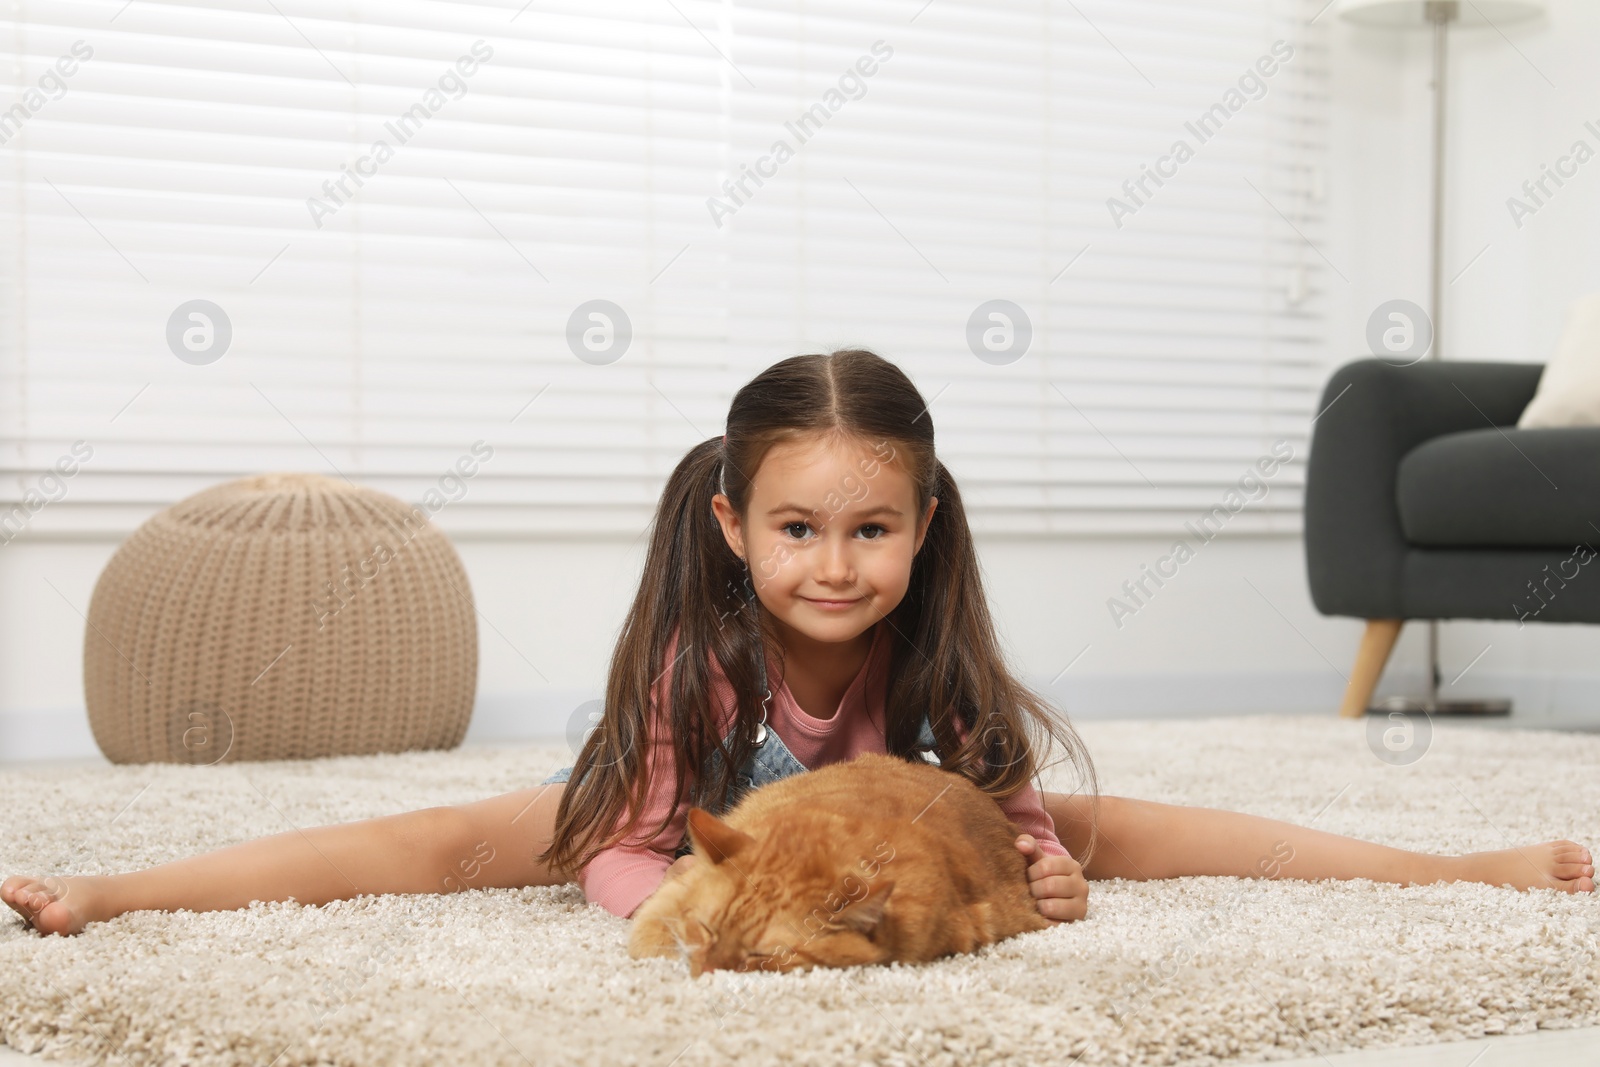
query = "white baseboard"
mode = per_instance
[{"x": 1566, "y": 702}]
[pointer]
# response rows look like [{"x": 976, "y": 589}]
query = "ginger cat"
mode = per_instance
[{"x": 876, "y": 860}]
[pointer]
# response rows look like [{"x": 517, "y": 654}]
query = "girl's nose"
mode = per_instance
[{"x": 833, "y": 563}]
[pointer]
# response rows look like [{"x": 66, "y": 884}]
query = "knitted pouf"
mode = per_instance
[{"x": 280, "y": 616}]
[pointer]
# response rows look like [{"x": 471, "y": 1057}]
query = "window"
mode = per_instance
[{"x": 369, "y": 243}]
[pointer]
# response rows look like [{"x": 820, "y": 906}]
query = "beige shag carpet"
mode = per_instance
[{"x": 1191, "y": 970}]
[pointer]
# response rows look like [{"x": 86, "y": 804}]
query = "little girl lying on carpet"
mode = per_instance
[{"x": 811, "y": 592}]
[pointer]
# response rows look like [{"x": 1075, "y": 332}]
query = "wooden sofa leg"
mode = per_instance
[{"x": 1376, "y": 644}]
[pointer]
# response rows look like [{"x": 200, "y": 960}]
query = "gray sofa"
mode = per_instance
[{"x": 1424, "y": 501}]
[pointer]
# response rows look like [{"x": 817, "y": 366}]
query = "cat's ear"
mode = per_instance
[
  {"x": 715, "y": 839},
  {"x": 865, "y": 915}
]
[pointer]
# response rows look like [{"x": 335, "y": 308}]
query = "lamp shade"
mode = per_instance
[{"x": 1408, "y": 14}]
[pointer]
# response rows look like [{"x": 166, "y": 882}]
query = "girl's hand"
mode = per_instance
[{"x": 1060, "y": 891}]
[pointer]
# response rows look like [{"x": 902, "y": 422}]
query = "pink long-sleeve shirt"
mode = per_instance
[{"x": 621, "y": 877}]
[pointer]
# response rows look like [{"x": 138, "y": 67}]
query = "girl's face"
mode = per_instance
[{"x": 829, "y": 535}]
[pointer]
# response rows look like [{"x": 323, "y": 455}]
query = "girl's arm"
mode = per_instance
[{"x": 622, "y": 877}]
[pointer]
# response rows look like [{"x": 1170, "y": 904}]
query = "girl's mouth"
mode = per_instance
[{"x": 832, "y": 605}]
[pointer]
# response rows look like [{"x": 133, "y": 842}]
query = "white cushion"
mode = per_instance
[{"x": 1569, "y": 388}]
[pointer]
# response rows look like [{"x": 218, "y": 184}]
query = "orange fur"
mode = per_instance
[{"x": 878, "y": 860}]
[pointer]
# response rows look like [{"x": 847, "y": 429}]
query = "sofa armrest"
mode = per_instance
[{"x": 1371, "y": 414}]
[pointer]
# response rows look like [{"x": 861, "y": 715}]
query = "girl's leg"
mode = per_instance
[
  {"x": 1142, "y": 839},
  {"x": 434, "y": 850}
]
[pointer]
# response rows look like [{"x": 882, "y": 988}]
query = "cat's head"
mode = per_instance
[{"x": 778, "y": 905}]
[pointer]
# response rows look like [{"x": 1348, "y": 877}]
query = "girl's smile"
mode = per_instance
[{"x": 833, "y": 605}]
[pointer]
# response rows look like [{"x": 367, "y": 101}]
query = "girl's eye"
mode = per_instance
[{"x": 788, "y": 526}]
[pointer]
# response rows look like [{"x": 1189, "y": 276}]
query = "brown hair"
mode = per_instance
[{"x": 944, "y": 655}]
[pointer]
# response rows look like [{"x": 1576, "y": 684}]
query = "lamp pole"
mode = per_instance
[{"x": 1439, "y": 13}]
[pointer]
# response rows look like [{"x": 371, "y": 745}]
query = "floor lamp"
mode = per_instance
[{"x": 1438, "y": 15}]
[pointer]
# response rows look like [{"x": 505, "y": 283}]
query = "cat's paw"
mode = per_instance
[
  {"x": 656, "y": 920},
  {"x": 651, "y": 936}
]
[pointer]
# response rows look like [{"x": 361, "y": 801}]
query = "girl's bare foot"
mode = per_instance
[
  {"x": 54, "y": 905},
  {"x": 1563, "y": 865}
]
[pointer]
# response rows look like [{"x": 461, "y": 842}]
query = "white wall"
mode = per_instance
[
  {"x": 1235, "y": 630},
  {"x": 1207, "y": 641}
]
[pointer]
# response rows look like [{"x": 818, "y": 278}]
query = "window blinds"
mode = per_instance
[{"x": 370, "y": 239}]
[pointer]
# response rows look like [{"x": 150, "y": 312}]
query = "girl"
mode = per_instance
[{"x": 811, "y": 591}]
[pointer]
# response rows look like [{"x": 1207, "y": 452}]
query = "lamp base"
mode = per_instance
[{"x": 1473, "y": 708}]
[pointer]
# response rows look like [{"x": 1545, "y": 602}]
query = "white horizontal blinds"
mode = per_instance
[
  {"x": 976, "y": 165},
  {"x": 426, "y": 311},
  {"x": 575, "y": 163}
]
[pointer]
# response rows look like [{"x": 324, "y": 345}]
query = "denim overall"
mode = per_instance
[{"x": 769, "y": 761}]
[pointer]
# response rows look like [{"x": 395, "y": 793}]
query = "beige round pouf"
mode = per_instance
[{"x": 280, "y": 616}]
